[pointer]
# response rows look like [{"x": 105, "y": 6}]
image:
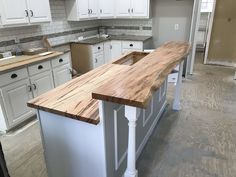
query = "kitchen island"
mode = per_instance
[{"x": 97, "y": 124}]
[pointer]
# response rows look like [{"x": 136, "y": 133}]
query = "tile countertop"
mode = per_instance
[{"x": 96, "y": 40}]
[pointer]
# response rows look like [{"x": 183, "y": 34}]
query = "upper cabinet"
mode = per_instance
[
  {"x": 106, "y": 8},
  {"x": 132, "y": 8},
  {"x": 78, "y": 10},
  {"x": 20, "y": 12},
  {"x": 81, "y": 9},
  {"x": 39, "y": 11}
]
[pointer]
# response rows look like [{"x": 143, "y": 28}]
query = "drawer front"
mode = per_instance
[
  {"x": 98, "y": 48},
  {"x": 13, "y": 76},
  {"x": 39, "y": 67},
  {"x": 61, "y": 60},
  {"x": 132, "y": 45}
]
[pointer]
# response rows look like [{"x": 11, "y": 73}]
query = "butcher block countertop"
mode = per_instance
[
  {"x": 24, "y": 60},
  {"x": 129, "y": 80}
]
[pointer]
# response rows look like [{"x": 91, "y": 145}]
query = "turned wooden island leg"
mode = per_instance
[
  {"x": 176, "y": 103},
  {"x": 131, "y": 115}
]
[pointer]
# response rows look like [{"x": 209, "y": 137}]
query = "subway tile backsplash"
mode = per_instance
[{"x": 61, "y": 31}]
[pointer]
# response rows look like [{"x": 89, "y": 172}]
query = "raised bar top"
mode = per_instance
[
  {"x": 135, "y": 86},
  {"x": 129, "y": 80}
]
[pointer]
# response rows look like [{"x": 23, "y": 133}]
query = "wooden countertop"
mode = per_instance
[
  {"x": 135, "y": 86},
  {"x": 119, "y": 83},
  {"x": 74, "y": 99},
  {"x": 24, "y": 60}
]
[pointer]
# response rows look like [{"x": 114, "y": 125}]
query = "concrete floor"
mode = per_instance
[{"x": 198, "y": 141}]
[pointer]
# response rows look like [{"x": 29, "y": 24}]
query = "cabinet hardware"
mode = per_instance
[
  {"x": 13, "y": 76},
  {"x": 60, "y": 60},
  {"x": 88, "y": 11},
  {"x": 32, "y": 13},
  {"x": 99, "y": 48},
  {"x": 29, "y": 88},
  {"x": 132, "y": 10},
  {"x": 34, "y": 86},
  {"x": 128, "y": 10},
  {"x": 27, "y": 13},
  {"x": 40, "y": 67},
  {"x": 91, "y": 11},
  {"x": 110, "y": 46},
  {"x": 96, "y": 60},
  {"x": 131, "y": 45},
  {"x": 101, "y": 11}
]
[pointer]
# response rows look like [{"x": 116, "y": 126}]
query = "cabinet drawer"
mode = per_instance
[
  {"x": 13, "y": 76},
  {"x": 39, "y": 67},
  {"x": 132, "y": 45},
  {"x": 98, "y": 48},
  {"x": 61, "y": 60}
]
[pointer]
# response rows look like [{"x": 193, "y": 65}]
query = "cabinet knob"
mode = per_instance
[
  {"x": 13, "y": 76},
  {"x": 27, "y": 13},
  {"x": 60, "y": 60},
  {"x": 32, "y": 13},
  {"x": 29, "y": 88},
  {"x": 101, "y": 11},
  {"x": 131, "y": 45},
  {"x": 34, "y": 86},
  {"x": 99, "y": 48},
  {"x": 40, "y": 67},
  {"x": 132, "y": 10},
  {"x": 128, "y": 10}
]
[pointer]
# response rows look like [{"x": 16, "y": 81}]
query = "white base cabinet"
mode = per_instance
[
  {"x": 15, "y": 97},
  {"x": 19, "y": 86}
]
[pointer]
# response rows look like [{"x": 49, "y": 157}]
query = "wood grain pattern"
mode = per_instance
[
  {"x": 118, "y": 82},
  {"x": 135, "y": 86},
  {"x": 74, "y": 99},
  {"x": 25, "y": 60}
]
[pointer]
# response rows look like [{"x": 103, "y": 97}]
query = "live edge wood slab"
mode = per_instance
[{"x": 130, "y": 80}]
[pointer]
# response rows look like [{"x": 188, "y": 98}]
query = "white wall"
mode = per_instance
[{"x": 167, "y": 13}]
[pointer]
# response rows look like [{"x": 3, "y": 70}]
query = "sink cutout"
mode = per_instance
[{"x": 131, "y": 58}]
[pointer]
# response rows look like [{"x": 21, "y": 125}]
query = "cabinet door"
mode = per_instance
[
  {"x": 106, "y": 8},
  {"x": 62, "y": 75},
  {"x": 123, "y": 8},
  {"x": 14, "y": 12},
  {"x": 107, "y": 52},
  {"x": 83, "y": 6},
  {"x": 140, "y": 8},
  {"x": 98, "y": 60},
  {"x": 116, "y": 50},
  {"x": 93, "y": 6},
  {"x": 39, "y": 11},
  {"x": 15, "y": 97},
  {"x": 42, "y": 83}
]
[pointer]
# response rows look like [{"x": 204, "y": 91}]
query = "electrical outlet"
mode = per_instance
[
  {"x": 176, "y": 27},
  {"x": 17, "y": 40}
]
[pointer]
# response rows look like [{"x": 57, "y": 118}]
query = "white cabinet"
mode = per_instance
[
  {"x": 107, "y": 51},
  {"x": 132, "y": 8},
  {"x": 15, "y": 97},
  {"x": 62, "y": 74},
  {"x": 122, "y": 8},
  {"x": 39, "y": 11},
  {"x": 81, "y": 9},
  {"x": 19, "y": 86},
  {"x": 106, "y": 8},
  {"x": 98, "y": 60},
  {"x": 13, "y": 12},
  {"x": 116, "y": 50},
  {"x": 20, "y": 12},
  {"x": 41, "y": 83}
]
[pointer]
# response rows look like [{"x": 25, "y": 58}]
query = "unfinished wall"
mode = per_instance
[
  {"x": 166, "y": 15},
  {"x": 222, "y": 48}
]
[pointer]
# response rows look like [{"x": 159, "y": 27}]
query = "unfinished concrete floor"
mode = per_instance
[{"x": 199, "y": 141}]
